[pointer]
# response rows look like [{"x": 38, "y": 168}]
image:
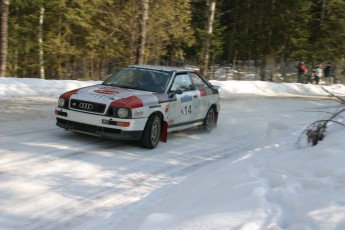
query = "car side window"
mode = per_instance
[
  {"x": 182, "y": 82},
  {"x": 198, "y": 82}
]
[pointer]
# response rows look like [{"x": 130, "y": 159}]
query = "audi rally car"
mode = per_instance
[{"x": 141, "y": 102}]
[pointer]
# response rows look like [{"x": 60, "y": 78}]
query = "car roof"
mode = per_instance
[{"x": 164, "y": 68}]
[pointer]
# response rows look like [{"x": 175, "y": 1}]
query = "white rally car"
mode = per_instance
[{"x": 141, "y": 102}]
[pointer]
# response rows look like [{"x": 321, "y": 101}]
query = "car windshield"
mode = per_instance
[{"x": 140, "y": 79}]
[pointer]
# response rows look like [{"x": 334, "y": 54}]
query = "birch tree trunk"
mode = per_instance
[
  {"x": 142, "y": 38},
  {"x": 40, "y": 43},
  {"x": 4, "y": 36},
  {"x": 209, "y": 31}
]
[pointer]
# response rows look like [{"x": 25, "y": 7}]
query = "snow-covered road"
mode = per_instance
[{"x": 54, "y": 179}]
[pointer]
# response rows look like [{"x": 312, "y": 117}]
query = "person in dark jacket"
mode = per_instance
[{"x": 328, "y": 73}]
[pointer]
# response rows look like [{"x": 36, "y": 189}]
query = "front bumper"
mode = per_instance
[
  {"x": 95, "y": 125},
  {"x": 99, "y": 131}
]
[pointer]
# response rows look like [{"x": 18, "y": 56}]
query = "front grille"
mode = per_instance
[
  {"x": 108, "y": 130},
  {"x": 87, "y": 106},
  {"x": 85, "y": 127}
]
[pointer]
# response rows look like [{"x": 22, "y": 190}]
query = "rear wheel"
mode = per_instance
[
  {"x": 152, "y": 132},
  {"x": 210, "y": 120}
]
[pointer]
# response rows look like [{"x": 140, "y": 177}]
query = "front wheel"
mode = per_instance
[
  {"x": 210, "y": 120},
  {"x": 152, "y": 132}
]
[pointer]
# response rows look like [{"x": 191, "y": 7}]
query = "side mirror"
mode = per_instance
[
  {"x": 178, "y": 91},
  {"x": 172, "y": 93}
]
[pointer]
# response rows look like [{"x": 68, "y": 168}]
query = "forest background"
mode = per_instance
[{"x": 89, "y": 39}]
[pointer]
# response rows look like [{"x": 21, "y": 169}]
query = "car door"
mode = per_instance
[
  {"x": 182, "y": 110},
  {"x": 201, "y": 101}
]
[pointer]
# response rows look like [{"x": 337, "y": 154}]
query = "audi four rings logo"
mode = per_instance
[{"x": 86, "y": 106}]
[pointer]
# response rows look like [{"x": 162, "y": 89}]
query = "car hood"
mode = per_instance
[{"x": 115, "y": 96}]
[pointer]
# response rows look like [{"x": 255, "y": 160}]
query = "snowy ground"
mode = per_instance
[{"x": 249, "y": 173}]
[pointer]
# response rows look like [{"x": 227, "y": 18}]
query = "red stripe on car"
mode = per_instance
[
  {"x": 69, "y": 94},
  {"x": 129, "y": 102}
]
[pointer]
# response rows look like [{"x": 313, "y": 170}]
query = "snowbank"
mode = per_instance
[
  {"x": 263, "y": 88},
  {"x": 19, "y": 87}
]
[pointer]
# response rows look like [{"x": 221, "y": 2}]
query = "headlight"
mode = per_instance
[
  {"x": 61, "y": 102},
  {"x": 123, "y": 113}
]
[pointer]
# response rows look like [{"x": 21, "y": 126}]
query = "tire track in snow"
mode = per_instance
[
  {"x": 127, "y": 175},
  {"x": 108, "y": 198},
  {"x": 159, "y": 176}
]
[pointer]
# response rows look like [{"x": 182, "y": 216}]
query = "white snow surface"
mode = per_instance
[{"x": 255, "y": 171}]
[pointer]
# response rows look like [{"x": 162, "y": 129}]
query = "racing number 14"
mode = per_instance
[{"x": 186, "y": 110}]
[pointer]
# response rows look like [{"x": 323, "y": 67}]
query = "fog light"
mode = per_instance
[
  {"x": 60, "y": 113},
  {"x": 117, "y": 123}
]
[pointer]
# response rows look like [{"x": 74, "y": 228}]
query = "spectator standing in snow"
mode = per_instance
[
  {"x": 328, "y": 73},
  {"x": 301, "y": 72},
  {"x": 317, "y": 73}
]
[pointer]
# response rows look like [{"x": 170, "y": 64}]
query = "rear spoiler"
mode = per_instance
[{"x": 215, "y": 86}]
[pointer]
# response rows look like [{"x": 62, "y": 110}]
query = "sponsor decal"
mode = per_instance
[
  {"x": 108, "y": 91},
  {"x": 202, "y": 103},
  {"x": 203, "y": 92},
  {"x": 186, "y": 98},
  {"x": 131, "y": 102},
  {"x": 154, "y": 106},
  {"x": 172, "y": 121},
  {"x": 138, "y": 113}
]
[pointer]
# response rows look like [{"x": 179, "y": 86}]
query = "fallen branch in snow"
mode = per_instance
[{"x": 317, "y": 130}]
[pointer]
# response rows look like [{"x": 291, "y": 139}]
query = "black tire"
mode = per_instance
[
  {"x": 152, "y": 132},
  {"x": 210, "y": 120}
]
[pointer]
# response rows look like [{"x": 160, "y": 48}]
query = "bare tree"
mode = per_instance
[
  {"x": 4, "y": 36},
  {"x": 40, "y": 43},
  {"x": 209, "y": 31},
  {"x": 142, "y": 38}
]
